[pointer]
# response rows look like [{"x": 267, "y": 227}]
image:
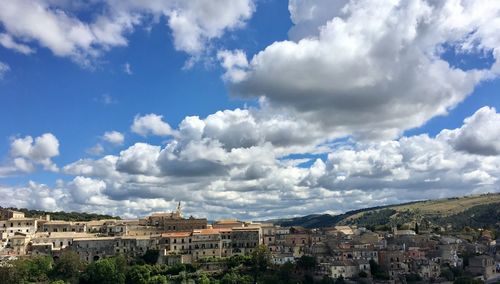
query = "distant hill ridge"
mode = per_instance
[
  {"x": 61, "y": 215},
  {"x": 474, "y": 210}
]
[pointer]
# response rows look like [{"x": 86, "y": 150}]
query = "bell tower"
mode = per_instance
[{"x": 178, "y": 211}]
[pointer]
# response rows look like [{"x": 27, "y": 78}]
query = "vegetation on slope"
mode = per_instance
[
  {"x": 479, "y": 216},
  {"x": 475, "y": 211},
  {"x": 248, "y": 269},
  {"x": 65, "y": 216}
]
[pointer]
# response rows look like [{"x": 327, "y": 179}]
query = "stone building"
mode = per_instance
[
  {"x": 245, "y": 240},
  {"x": 226, "y": 247},
  {"x": 228, "y": 224},
  {"x": 206, "y": 243},
  {"x": 427, "y": 269},
  {"x": 344, "y": 269},
  {"x": 48, "y": 242},
  {"x": 92, "y": 249},
  {"x": 18, "y": 244},
  {"x": 174, "y": 222},
  {"x": 114, "y": 228},
  {"x": 394, "y": 262},
  {"x": 176, "y": 242},
  {"x": 482, "y": 265},
  {"x": 56, "y": 226},
  {"x": 11, "y": 226},
  {"x": 6, "y": 214}
]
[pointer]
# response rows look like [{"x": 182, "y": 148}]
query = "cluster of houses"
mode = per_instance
[{"x": 341, "y": 251}]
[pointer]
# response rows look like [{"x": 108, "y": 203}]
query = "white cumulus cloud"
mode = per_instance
[
  {"x": 151, "y": 124},
  {"x": 27, "y": 151},
  {"x": 65, "y": 30},
  {"x": 480, "y": 133},
  {"x": 370, "y": 80},
  {"x": 113, "y": 137}
]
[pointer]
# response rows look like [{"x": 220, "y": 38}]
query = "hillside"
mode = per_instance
[
  {"x": 65, "y": 216},
  {"x": 474, "y": 211},
  {"x": 443, "y": 207}
]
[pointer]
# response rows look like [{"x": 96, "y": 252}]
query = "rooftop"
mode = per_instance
[{"x": 176, "y": 234}]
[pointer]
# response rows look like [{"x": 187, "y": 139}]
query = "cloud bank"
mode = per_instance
[
  {"x": 370, "y": 68},
  {"x": 63, "y": 28},
  {"x": 236, "y": 163},
  {"x": 327, "y": 136}
]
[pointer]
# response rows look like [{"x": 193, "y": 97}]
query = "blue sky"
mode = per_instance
[
  {"x": 42, "y": 90},
  {"x": 297, "y": 110}
]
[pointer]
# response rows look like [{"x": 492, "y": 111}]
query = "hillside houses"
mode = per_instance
[{"x": 347, "y": 252}]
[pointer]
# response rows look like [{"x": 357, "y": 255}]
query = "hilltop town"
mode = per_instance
[{"x": 414, "y": 253}]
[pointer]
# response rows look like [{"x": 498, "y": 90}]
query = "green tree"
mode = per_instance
[
  {"x": 306, "y": 262},
  {"x": 158, "y": 279},
  {"x": 9, "y": 274},
  {"x": 447, "y": 274},
  {"x": 235, "y": 278},
  {"x": 467, "y": 280},
  {"x": 261, "y": 260},
  {"x": 237, "y": 260},
  {"x": 377, "y": 272},
  {"x": 327, "y": 280},
  {"x": 413, "y": 277},
  {"x": 203, "y": 279},
  {"x": 68, "y": 267},
  {"x": 285, "y": 272},
  {"x": 308, "y": 279},
  {"x": 105, "y": 271},
  {"x": 35, "y": 269},
  {"x": 138, "y": 274},
  {"x": 151, "y": 256}
]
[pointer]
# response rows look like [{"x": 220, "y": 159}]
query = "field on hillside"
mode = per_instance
[
  {"x": 444, "y": 207},
  {"x": 450, "y": 206}
]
